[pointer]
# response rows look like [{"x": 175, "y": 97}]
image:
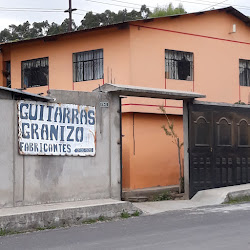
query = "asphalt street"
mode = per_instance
[{"x": 221, "y": 227}]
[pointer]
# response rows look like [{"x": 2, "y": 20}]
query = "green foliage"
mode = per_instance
[
  {"x": 108, "y": 17},
  {"x": 125, "y": 215},
  {"x": 163, "y": 196},
  {"x": 3, "y": 232},
  {"x": 169, "y": 10},
  {"x": 241, "y": 199},
  {"x": 136, "y": 213},
  {"x": 37, "y": 29},
  {"x": 240, "y": 102},
  {"x": 45, "y": 228},
  {"x": 90, "y": 221},
  {"x": 90, "y": 20},
  {"x": 102, "y": 218}
]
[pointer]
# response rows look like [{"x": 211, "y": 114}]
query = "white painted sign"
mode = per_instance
[{"x": 56, "y": 129}]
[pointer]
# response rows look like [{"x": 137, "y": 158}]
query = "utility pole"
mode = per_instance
[{"x": 70, "y": 10}]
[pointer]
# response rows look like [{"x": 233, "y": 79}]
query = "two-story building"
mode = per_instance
[{"x": 207, "y": 52}]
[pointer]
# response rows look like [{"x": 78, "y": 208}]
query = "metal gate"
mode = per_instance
[{"x": 219, "y": 146}]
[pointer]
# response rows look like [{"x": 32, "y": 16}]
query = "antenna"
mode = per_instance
[{"x": 70, "y": 10}]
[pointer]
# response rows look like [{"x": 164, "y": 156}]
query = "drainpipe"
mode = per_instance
[{"x": 120, "y": 110}]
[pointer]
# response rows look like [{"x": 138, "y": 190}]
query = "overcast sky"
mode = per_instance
[{"x": 9, "y": 16}]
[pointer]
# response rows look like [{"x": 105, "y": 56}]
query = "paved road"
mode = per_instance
[{"x": 222, "y": 227}]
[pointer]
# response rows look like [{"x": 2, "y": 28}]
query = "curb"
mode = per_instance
[
  {"x": 63, "y": 217},
  {"x": 237, "y": 195}
]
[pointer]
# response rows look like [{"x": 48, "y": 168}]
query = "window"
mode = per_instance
[
  {"x": 35, "y": 72},
  {"x": 7, "y": 74},
  {"x": 244, "y": 72},
  {"x": 179, "y": 65},
  {"x": 88, "y": 65}
]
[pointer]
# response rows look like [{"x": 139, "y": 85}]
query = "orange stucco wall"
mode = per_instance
[
  {"x": 152, "y": 155},
  {"x": 60, "y": 52},
  {"x": 136, "y": 56},
  {"x": 216, "y": 61}
]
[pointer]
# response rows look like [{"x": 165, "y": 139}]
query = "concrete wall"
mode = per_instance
[{"x": 27, "y": 180}]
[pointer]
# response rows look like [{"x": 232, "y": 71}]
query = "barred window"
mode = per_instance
[
  {"x": 88, "y": 65},
  {"x": 35, "y": 72},
  {"x": 244, "y": 72},
  {"x": 7, "y": 74},
  {"x": 179, "y": 65}
]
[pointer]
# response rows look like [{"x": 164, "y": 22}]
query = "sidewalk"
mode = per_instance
[
  {"x": 60, "y": 214},
  {"x": 203, "y": 198},
  {"x": 17, "y": 219}
]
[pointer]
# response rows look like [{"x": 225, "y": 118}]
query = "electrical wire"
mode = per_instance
[
  {"x": 215, "y": 5},
  {"x": 118, "y": 5},
  {"x": 186, "y": 1}
]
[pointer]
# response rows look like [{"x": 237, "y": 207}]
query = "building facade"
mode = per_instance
[{"x": 206, "y": 52}]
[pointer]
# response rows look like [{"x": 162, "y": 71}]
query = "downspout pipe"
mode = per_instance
[{"x": 120, "y": 110}]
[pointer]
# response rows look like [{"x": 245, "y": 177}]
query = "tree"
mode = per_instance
[
  {"x": 5, "y": 35},
  {"x": 108, "y": 17},
  {"x": 39, "y": 29},
  {"x": 169, "y": 131},
  {"x": 145, "y": 11},
  {"x": 168, "y": 11},
  {"x": 64, "y": 27},
  {"x": 90, "y": 20}
]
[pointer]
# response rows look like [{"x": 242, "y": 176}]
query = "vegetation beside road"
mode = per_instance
[{"x": 241, "y": 199}]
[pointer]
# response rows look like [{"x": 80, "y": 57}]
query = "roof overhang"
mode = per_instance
[
  {"x": 8, "y": 93},
  {"x": 127, "y": 90}
]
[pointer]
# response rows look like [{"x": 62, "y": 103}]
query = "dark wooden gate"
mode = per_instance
[{"x": 219, "y": 146}]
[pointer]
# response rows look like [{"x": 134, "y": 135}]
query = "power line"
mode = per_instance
[
  {"x": 131, "y": 3},
  {"x": 48, "y": 11},
  {"x": 186, "y": 1},
  {"x": 29, "y": 8},
  {"x": 208, "y": 3},
  {"x": 214, "y": 5},
  {"x": 111, "y": 4}
]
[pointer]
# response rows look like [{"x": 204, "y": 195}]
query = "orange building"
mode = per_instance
[{"x": 206, "y": 52}]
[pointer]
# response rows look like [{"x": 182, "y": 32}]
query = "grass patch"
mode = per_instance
[
  {"x": 3, "y": 232},
  {"x": 136, "y": 213},
  {"x": 241, "y": 199},
  {"x": 125, "y": 214},
  {"x": 45, "y": 228},
  {"x": 163, "y": 196},
  {"x": 100, "y": 218},
  {"x": 90, "y": 221}
]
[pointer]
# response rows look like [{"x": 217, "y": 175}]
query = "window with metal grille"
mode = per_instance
[
  {"x": 7, "y": 74},
  {"x": 35, "y": 72},
  {"x": 88, "y": 65},
  {"x": 179, "y": 65},
  {"x": 244, "y": 72}
]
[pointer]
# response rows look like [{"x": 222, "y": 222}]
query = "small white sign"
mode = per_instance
[{"x": 104, "y": 104}]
